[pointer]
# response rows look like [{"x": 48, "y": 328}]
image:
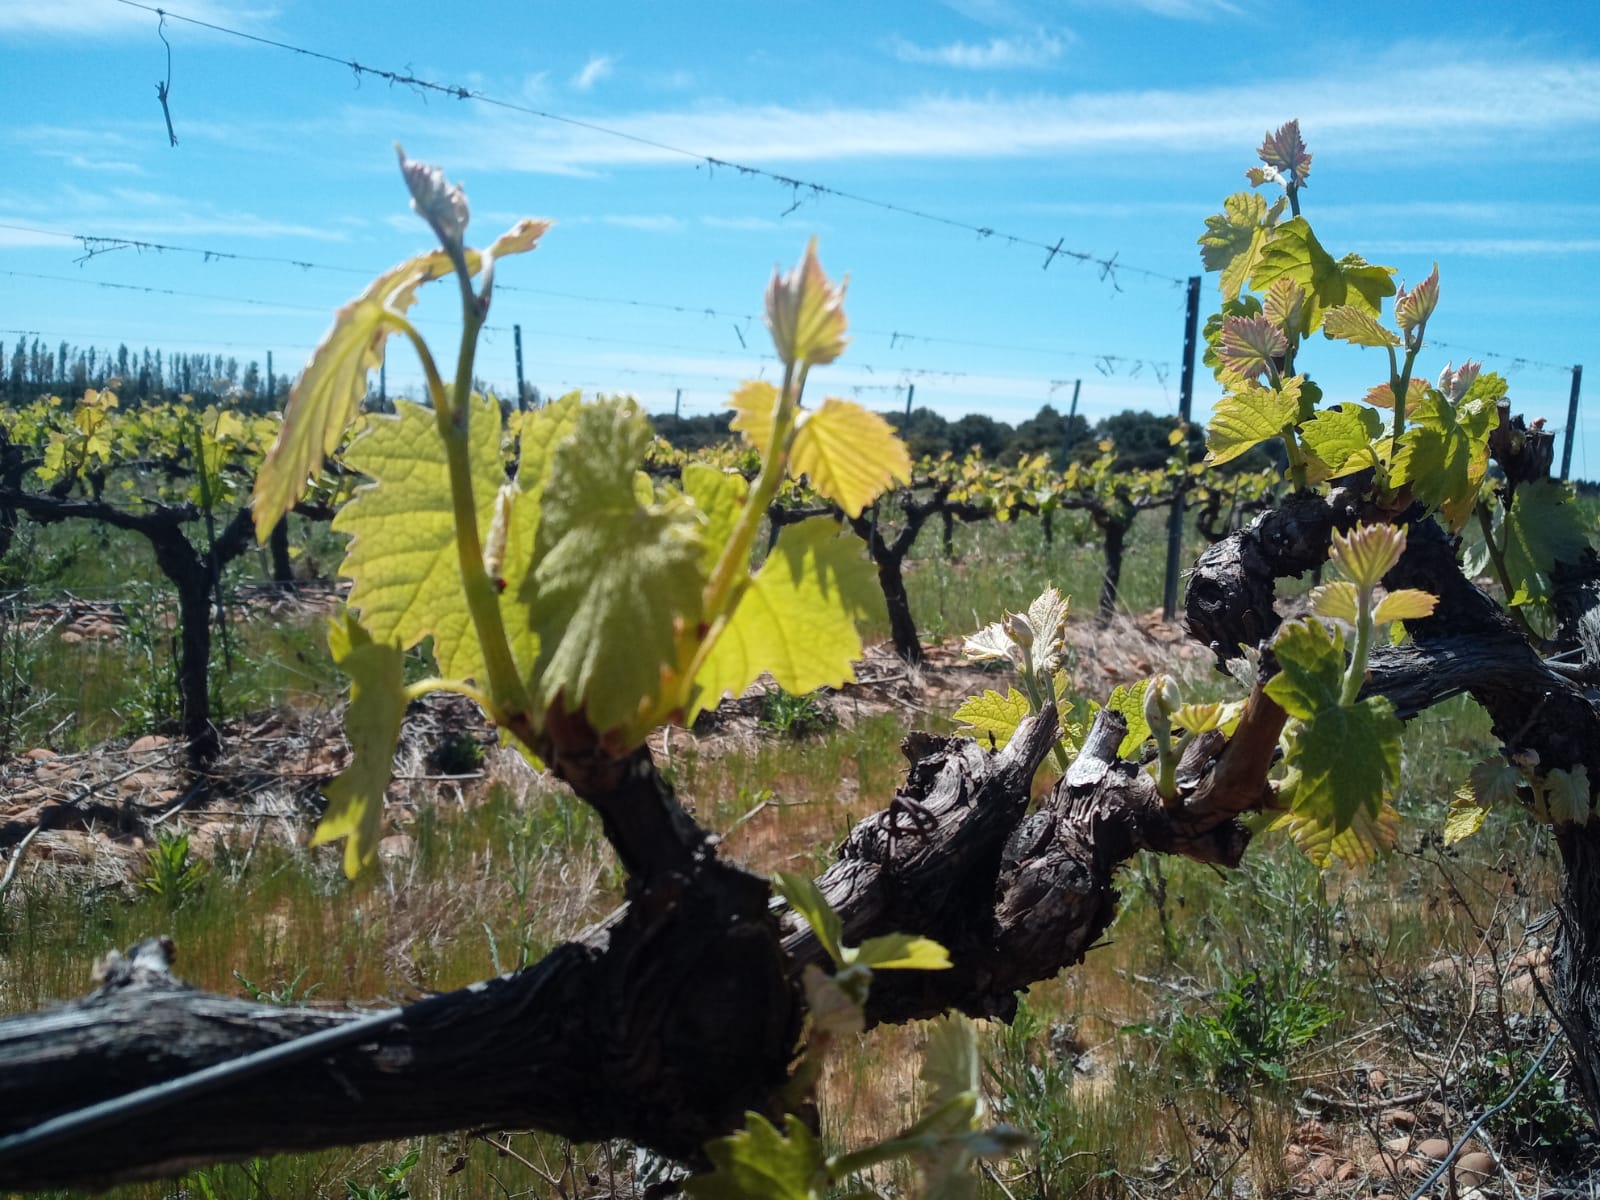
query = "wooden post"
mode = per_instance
[
  {"x": 1169, "y": 604},
  {"x": 1572, "y": 420}
]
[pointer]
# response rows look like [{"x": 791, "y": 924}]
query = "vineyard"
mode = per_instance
[{"x": 549, "y": 809}]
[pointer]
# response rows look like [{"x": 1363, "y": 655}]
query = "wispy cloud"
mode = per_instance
[
  {"x": 1465, "y": 105},
  {"x": 745, "y": 224},
  {"x": 997, "y": 54},
  {"x": 1182, "y": 10},
  {"x": 1489, "y": 247},
  {"x": 596, "y": 69},
  {"x": 108, "y": 19}
]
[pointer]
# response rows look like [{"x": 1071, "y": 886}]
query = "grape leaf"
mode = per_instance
[
  {"x": 1544, "y": 527},
  {"x": 759, "y": 1161},
  {"x": 1129, "y": 701},
  {"x": 755, "y": 408},
  {"x": 1337, "y": 600},
  {"x": 803, "y": 895},
  {"x": 1294, "y": 253},
  {"x": 543, "y": 429},
  {"x": 1248, "y": 417},
  {"x": 850, "y": 455},
  {"x": 1251, "y": 345},
  {"x": 992, "y": 716},
  {"x": 1406, "y": 604},
  {"x": 1233, "y": 239},
  {"x": 1348, "y": 755},
  {"x": 1342, "y": 438},
  {"x": 1464, "y": 819},
  {"x": 805, "y": 312},
  {"x": 1567, "y": 795},
  {"x": 796, "y": 618},
  {"x": 900, "y": 952},
  {"x": 833, "y": 1008},
  {"x": 1348, "y": 323},
  {"x": 1367, "y": 835},
  {"x": 1494, "y": 781},
  {"x": 402, "y": 556},
  {"x": 1284, "y": 150},
  {"x": 327, "y": 396},
  {"x": 1413, "y": 306},
  {"x": 720, "y": 495},
  {"x": 615, "y": 579},
  {"x": 372, "y": 727},
  {"x": 1445, "y": 454}
]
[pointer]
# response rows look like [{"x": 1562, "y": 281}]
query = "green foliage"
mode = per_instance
[
  {"x": 1256, "y": 1023},
  {"x": 793, "y": 716},
  {"x": 391, "y": 1184},
  {"x": 288, "y": 993},
  {"x": 1541, "y": 1119},
  {"x": 170, "y": 871}
]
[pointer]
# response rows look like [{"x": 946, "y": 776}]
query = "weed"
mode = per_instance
[
  {"x": 457, "y": 754},
  {"x": 172, "y": 874},
  {"x": 1257, "y": 1021},
  {"x": 794, "y": 716},
  {"x": 1541, "y": 1119},
  {"x": 287, "y": 994},
  {"x": 391, "y": 1183}
]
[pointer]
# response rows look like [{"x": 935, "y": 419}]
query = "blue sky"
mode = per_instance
[{"x": 1471, "y": 139}]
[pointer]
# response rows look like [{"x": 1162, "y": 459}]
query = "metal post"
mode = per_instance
[
  {"x": 522, "y": 391},
  {"x": 1169, "y": 604},
  {"x": 677, "y": 404},
  {"x": 911, "y": 392},
  {"x": 1072, "y": 415},
  {"x": 1572, "y": 420},
  {"x": 269, "y": 379}
]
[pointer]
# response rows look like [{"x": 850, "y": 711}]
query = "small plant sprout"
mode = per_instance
[
  {"x": 1161, "y": 700},
  {"x": 1364, "y": 557},
  {"x": 1034, "y": 643}
]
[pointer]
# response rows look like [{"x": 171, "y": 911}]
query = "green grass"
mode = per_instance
[{"x": 1089, "y": 1067}]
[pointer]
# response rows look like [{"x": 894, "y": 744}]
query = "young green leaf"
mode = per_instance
[
  {"x": 1336, "y": 600},
  {"x": 402, "y": 556},
  {"x": 1248, "y": 417},
  {"x": 372, "y": 726},
  {"x": 615, "y": 578},
  {"x": 1567, "y": 795},
  {"x": 1233, "y": 239},
  {"x": 1367, "y": 553},
  {"x": 1348, "y": 323},
  {"x": 327, "y": 397},
  {"x": 1129, "y": 701},
  {"x": 802, "y": 894},
  {"x": 1413, "y": 307},
  {"x": 1445, "y": 454},
  {"x": 720, "y": 496},
  {"x": 1294, "y": 253},
  {"x": 1544, "y": 527},
  {"x": 1251, "y": 345},
  {"x": 1406, "y": 604},
  {"x": 758, "y": 1161},
  {"x": 755, "y": 409},
  {"x": 1366, "y": 837},
  {"x": 1494, "y": 781},
  {"x": 1464, "y": 819},
  {"x": 1343, "y": 438},
  {"x": 805, "y": 313},
  {"x": 796, "y": 618},
  {"x": 850, "y": 455},
  {"x": 900, "y": 952},
  {"x": 1348, "y": 755},
  {"x": 992, "y": 718}
]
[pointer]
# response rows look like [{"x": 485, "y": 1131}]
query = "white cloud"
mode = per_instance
[
  {"x": 1466, "y": 106},
  {"x": 107, "y": 18},
  {"x": 1486, "y": 246},
  {"x": 997, "y": 54},
  {"x": 596, "y": 69},
  {"x": 1182, "y": 10}
]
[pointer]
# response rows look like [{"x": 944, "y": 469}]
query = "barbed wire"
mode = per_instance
[
  {"x": 1110, "y": 266},
  {"x": 743, "y": 321}
]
